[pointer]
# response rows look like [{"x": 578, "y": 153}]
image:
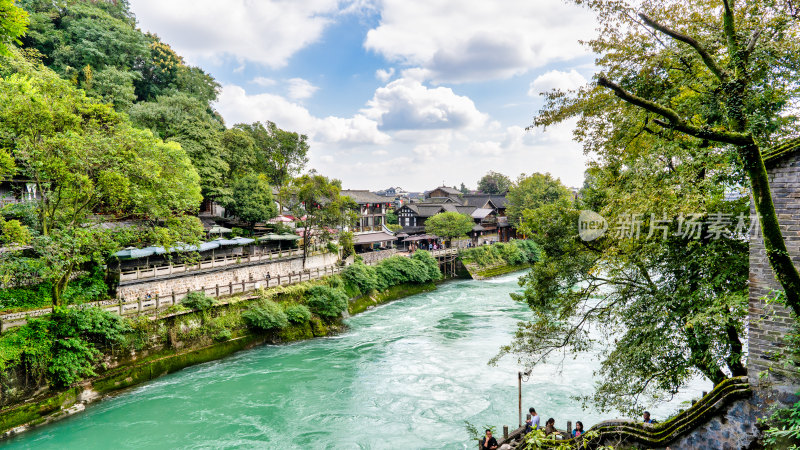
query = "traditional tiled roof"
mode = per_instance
[
  {"x": 363, "y": 196},
  {"x": 480, "y": 213},
  {"x": 448, "y": 190},
  {"x": 480, "y": 200},
  {"x": 778, "y": 152}
]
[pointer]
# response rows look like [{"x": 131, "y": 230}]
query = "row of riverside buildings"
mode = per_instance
[{"x": 487, "y": 211}]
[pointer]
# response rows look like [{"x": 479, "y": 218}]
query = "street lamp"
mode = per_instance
[{"x": 527, "y": 375}]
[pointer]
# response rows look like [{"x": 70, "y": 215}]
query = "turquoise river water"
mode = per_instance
[{"x": 406, "y": 375}]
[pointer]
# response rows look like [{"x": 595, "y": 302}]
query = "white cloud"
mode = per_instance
[
  {"x": 264, "y": 81},
  {"x": 406, "y": 104},
  {"x": 300, "y": 89},
  {"x": 265, "y": 31},
  {"x": 556, "y": 79},
  {"x": 384, "y": 75},
  {"x": 236, "y": 106},
  {"x": 481, "y": 41}
]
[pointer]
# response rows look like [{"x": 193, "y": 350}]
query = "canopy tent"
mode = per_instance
[
  {"x": 401, "y": 235},
  {"x": 133, "y": 253},
  {"x": 217, "y": 229},
  {"x": 233, "y": 242},
  {"x": 278, "y": 237},
  {"x": 203, "y": 247}
]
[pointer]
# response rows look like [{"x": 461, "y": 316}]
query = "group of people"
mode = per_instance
[
  {"x": 429, "y": 246},
  {"x": 533, "y": 423}
]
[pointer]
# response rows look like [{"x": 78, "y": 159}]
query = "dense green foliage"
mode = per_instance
[
  {"x": 198, "y": 300},
  {"x": 718, "y": 77},
  {"x": 63, "y": 347},
  {"x": 494, "y": 183},
  {"x": 421, "y": 268},
  {"x": 297, "y": 313},
  {"x": 784, "y": 430},
  {"x": 319, "y": 199},
  {"x": 514, "y": 253},
  {"x": 531, "y": 192},
  {"x": 13, "y": 22},
  {"x": 326, "y": 301},
  {"x": 449, "y": 225},
  {"x": 251, "y": 200},
  {"x": 266, "y": 315}
]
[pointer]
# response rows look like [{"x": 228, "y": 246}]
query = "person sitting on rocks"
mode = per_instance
[
  {"x": 488, "y": 442},
  {"x": 550, "y": 427},
  {"x": 578, "y": 429}
]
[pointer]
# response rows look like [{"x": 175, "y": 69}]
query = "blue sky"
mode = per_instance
[{"x": 409, "y": 93}]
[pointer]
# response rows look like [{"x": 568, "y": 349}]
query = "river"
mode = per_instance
[{"x": 405, "y": 375}]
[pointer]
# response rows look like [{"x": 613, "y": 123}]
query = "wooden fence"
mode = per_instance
[
  {"x": 133, "y": 306},
  {"x": 160, "y": 271}
]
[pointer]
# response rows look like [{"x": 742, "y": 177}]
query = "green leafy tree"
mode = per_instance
[
  {"x": 494, "y": 183},
  {"x": 319, "y": 201},
  {"x": 531, "y": 192},
  {"x": 87, "y": 164},
  {"x": 114, "y": 86},
  {"x": 449, "y": 225},
  {"x": 13, "y": 23},
  {"x": 665, "y": 307},
  {"x": 464, "y": 189},
  {"x": 719, "y": 73},
  {"x": 251, "y": 200},
  {"x": 280, "y": 154}
]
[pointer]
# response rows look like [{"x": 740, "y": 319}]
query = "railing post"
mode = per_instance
[
  {"x": 217, "y": 290},
  {"x": 170, "y": 268},
  {"x": 158, "y": 302},
  {"x": 279, "y": 279},
  {"x": 173, "y": 296},
  {"x": 137, "y": 272},
  {"x": 505, "y": 432},
  {"x": 243, "y": 286},
  {"x": 139, "y": 303},
  {"x": 569, "y": 427},
  {"x": 154, "y": 272},
  {"x": 230, "y": 287},
  {"x": 120, "y": 305}
]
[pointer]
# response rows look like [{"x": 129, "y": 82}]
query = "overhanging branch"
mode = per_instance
[
  {"x": 708, "y": 60},
  {"x": 674, "y": 121}
]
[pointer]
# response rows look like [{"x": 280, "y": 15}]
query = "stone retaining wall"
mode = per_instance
[
  {"x": 769, "y": 323},
  {"x": 222, "y": 276}
]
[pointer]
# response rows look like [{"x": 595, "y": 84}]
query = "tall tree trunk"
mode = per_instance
[
  {"x": 734, "y": 359},
  {"x": 779, "y": 259}
]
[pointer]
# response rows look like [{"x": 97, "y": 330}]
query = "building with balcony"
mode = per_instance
[{"x": 369, "y": 230}]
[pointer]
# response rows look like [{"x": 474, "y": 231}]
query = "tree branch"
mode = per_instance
[
  {"x": 704, "y": 55},
  {"x": 674, "y": 121}
]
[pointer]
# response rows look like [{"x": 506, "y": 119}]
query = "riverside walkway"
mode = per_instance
[{"x": 151, "y": 304}]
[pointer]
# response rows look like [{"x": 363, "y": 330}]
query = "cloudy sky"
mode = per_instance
[{"x": 410, "y": 93}]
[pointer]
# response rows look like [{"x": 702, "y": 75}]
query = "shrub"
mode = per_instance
[
  {"x": 297, "y": 313},
  {"x": 198, "y": 300},
  {"x": 360, "y": 276},
  {"x": 514, "y": 253},
  {"x": 222, "y": 335},
  {"x": 326, "y": 301},
  {"x": 266, "y": 315},
  {"x": 333, "y": 248},
  {"x": 431, "y": 265}
]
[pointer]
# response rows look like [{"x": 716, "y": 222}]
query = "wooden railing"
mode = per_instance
[
  {"x": 160, "y": 271},
  {"x": 129, "y": 306}
]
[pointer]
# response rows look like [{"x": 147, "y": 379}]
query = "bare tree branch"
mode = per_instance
[
  {"x": 704, "y": 55},
  {"x": 674, "y": 121}
]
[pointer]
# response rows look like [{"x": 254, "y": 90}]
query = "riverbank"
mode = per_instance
[{"x": 181, "y": 337}]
